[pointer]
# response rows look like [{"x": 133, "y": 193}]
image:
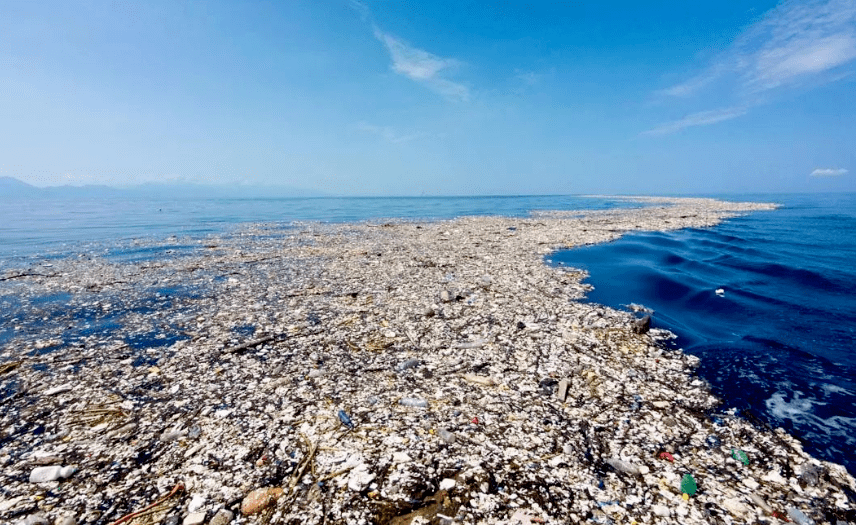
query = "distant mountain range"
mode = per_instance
[{"x": 12, "y": 188}]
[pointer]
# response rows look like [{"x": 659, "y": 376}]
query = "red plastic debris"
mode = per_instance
[
  {"x": 475, "y": 421},
  {"x": 667, "y": 456},
  {"x": 780, "y": 515}
]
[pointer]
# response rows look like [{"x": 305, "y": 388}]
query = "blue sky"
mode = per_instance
[{"x": 408, "y": 98}]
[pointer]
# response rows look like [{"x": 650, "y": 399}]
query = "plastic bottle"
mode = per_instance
[
  {"x": 343, "y": 417},
  {"x": 413, "y": 402},
  {"x": 628, "y": 468},
  {"x": 798, "y": 517}
]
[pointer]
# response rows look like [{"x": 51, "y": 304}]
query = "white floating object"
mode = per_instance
[
  {"x": 196, "y": 503},
  {"x": 471, "y": 344},
  {"x": 360, "y": 478},
  {"x": 194, "y": 518},
  {"x": 720, "y": 292},
  {"x": 58, "y": 389},
  {"x": 479, "y": 380},
  {"x": 400, "y": 457},
  {"x": 413, "y": 402},
  {"x": 53, "y": 473}
]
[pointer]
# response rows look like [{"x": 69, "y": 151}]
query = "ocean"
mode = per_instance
[
  {"x": 776, "y": 344},
  {"x": 49, "y": 228}
]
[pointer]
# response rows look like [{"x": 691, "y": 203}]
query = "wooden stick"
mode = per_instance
[
  {"x": 248, "y": 344},
  {"x": 133, "y": 515}
]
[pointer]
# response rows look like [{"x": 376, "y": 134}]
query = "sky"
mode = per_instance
[{"x": 382, "y": 97}]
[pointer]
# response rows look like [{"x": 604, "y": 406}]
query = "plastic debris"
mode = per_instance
[
  {"x": 688, "y": 485},
  {"x": 668, "y": 457},
  {"x": 739, "y": 455},
  {"x": 256, "y": 414},
  {"x": 413, "y": 402},
  {"x": 343, "y": 417},
  {"x": 470, "y": 344},
  {"x": 446, "y": 436},
  {"x": 798, "y": 517},
  {"x": 628, "y": 468},
  {"x": 43, "y": 474},
  {"x": 811, "y": 474},
  {"x": 479, "y": 380},
  {"x": 563, "y": 390},
  {"x": 409, "y": 363}
]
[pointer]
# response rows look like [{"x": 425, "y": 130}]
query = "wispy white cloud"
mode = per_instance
[
  {"x": 796, "y": 44},
  {"x": 388, "y": 133},
  {"x": 423, "y": 67},
  {"x": 828, "y": 172},
  {"x": 702, "y": 118},
  {"x": 416, "y": 64},
  {"x": 793, "y": 41}
]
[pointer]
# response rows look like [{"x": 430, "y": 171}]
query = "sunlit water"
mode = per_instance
[
  {"x": 51, "y": 228},
  {"x": 779, "y": 341}
]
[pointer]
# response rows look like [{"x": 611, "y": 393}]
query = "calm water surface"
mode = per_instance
[
  {"x": 40, "y": 227},
  {"x": 779, "y": 341}
]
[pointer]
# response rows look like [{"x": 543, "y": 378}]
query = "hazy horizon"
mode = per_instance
[{"x": 362, "y": 98}]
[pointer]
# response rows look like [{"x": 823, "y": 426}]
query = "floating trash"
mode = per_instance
[
  {"x": 799, "y": 517},
  {"x": 288, "y": 326},
  {"x": 740, "y": 456},
  {"x": 688, "y": 485},
  {"x": 343, "y": 417}
]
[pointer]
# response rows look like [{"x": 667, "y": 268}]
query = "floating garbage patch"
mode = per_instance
[{"x": 397, "y": 372}]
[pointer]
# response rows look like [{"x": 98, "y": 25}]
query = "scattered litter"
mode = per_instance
[{"x": 177, "y": 380}]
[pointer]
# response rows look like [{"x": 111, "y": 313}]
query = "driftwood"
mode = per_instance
[
  {"x": 249, "y": 344},
  {"x": 26, "y": 274}
]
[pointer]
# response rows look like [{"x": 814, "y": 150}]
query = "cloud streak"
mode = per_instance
[
  {"x": 423, "y": 67},
  {"x": 702, "y": 118},
  {"x": 828, "y": 172},
  {"x": 796, "y": 44}
]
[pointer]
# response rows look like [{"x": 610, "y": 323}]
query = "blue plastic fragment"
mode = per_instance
[{"x": 343, "y": 417}]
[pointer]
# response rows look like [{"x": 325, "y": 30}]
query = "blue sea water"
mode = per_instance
[
  {"x": 779, "y": 342},
  {"x": 59, "y": 227}
]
